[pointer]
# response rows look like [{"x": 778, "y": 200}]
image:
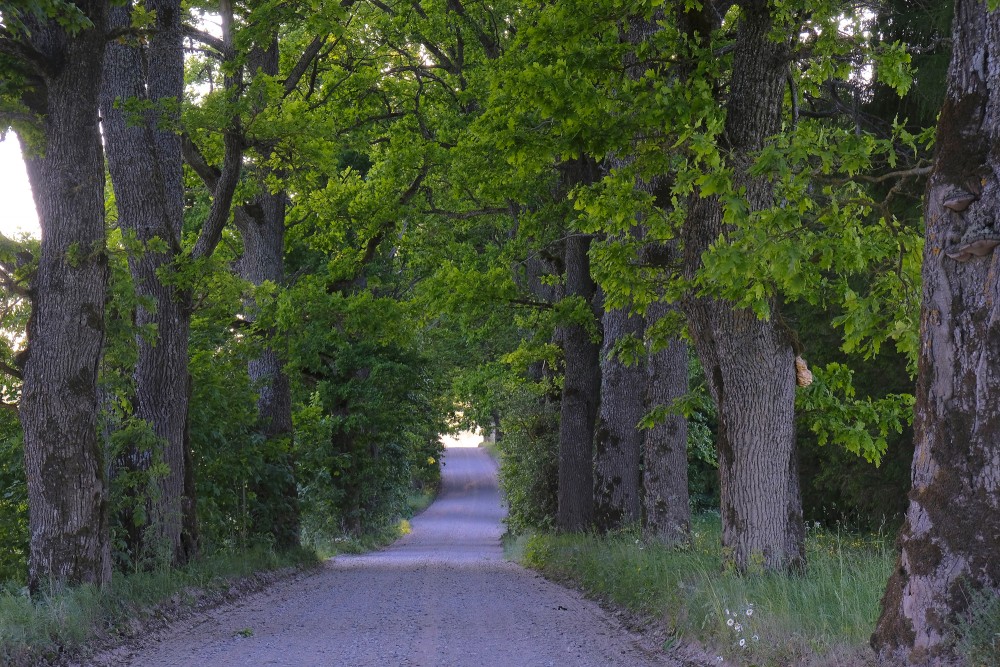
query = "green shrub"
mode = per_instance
[
  {"x": 529, "y": 460},
  {"x": 13, "y": 502}
]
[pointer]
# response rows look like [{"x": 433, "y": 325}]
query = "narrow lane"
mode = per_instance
[{"x": 442, "y": 596}]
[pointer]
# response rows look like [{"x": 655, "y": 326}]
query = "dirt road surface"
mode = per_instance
[{"x": 442, "y": 596}]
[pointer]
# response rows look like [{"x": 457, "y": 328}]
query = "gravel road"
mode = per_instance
[{"x": 441, "y": 596}]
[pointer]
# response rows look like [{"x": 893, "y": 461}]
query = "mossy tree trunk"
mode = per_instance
[
  {"x": 67, "y": 494},
  {"x": 617, "y": 438},
  {"x": 667, "y": 507},
  {"x": 950, "y": 540}
]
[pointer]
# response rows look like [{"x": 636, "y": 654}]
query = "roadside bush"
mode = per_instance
[
  {"x": 529, "y": 459},
  {"x": 369, "y": 410}
]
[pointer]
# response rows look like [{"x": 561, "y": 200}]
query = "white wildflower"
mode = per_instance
[
  {"x": 743, "y": 642},
  {"x": 738, "y": 628},
  {"x": 730, "y": 622}
]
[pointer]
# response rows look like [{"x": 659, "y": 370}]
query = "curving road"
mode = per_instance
[{"x": 442, "y": 596}]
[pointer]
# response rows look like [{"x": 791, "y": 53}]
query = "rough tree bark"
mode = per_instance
[
  {"x": 666, "y": 502},
  {"x": 618, "y": 441},
  {"x": 748, "y": 362},
  {"x": 144, "y": 160},
  {"x": 581, "y": 388},
  {"x": 617, "y": 438},
  {"x": 951, "y": 536},
  {"x": 262, "y": 227},
  {"x": 67, "y": 493}
]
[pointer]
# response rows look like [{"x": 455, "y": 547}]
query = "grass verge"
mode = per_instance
[
  {"x": 52, "y": 628},
  {"x": 823, "y": 617}
]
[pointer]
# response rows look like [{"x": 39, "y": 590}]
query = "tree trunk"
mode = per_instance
[
  {"x": 144, "y": 160},
  {"x": 951, "y": 536},
  {"x": 665, "y": 475},
  {"x": 617, "y": 438},
  {"x": 581, "y": 388},
  {"x": 749, "y": 363},
  {"x": 263, "y": 260},
  {"x": 263, "y": 231},
  {"x": 67, "y": 494}
]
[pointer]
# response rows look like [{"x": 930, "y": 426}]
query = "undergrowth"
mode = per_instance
[
  {"x": 327, "y": 546},
  {"x": 823, "y": 617},
  {"x": 978, "y": 630},
  {"x": 44, "y": 628}
]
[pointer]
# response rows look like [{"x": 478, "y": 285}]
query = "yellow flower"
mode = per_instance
[{"x": 431, "y": 461}]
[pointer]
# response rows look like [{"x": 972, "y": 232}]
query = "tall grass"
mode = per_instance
[
  {"x": 38, "y": 630},
  {"x": 822, "y": 617}
]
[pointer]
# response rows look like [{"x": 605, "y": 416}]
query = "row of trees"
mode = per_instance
[
  {"x": 168, "y": 353},
  {"x": 356, "y": 214}
]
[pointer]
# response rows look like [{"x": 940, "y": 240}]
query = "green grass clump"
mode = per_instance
[
  {"x": 978, "y": 631},
  {"x": 38, "y": 629},
  {"x": 822, "y": 617}
]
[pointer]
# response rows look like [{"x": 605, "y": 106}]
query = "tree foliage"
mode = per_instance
[{"x": 433, "y": 162}]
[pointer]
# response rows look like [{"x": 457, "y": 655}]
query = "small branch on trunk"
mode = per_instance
[
  {"x": 26, "y": 54},
  {"x": 10, "y": 370}
]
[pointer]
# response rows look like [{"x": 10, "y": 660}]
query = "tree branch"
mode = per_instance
[
  {"x": 24, "y": 53},
  {"x": 373, "y": 243},
  {"x": 232, "y": 161},
  {"x": 490, "y": 45},
  {"x": 196, "y": 160},
  {"x": 206, "y": 39},
  {"x": 11, "y": 371},
  {"x": 904, "y": 173},
  {"x": 222, "y": 196},
  {"x": 293, "y": 78}
]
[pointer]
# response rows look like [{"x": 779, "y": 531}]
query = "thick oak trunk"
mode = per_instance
[
  {"x": 748, "y": 362},
  {"x": 617, "y": 438},
  {"x": 263, "y": 260},
  {"x": 144, "y": 160},
  {"x": 67, "y": 494},
  {"x": 950, "y": 540},
  {"x": 262, "y": 227},
  {"x": 666, "y": 501},
  {"x": 580, "y": 392}
]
